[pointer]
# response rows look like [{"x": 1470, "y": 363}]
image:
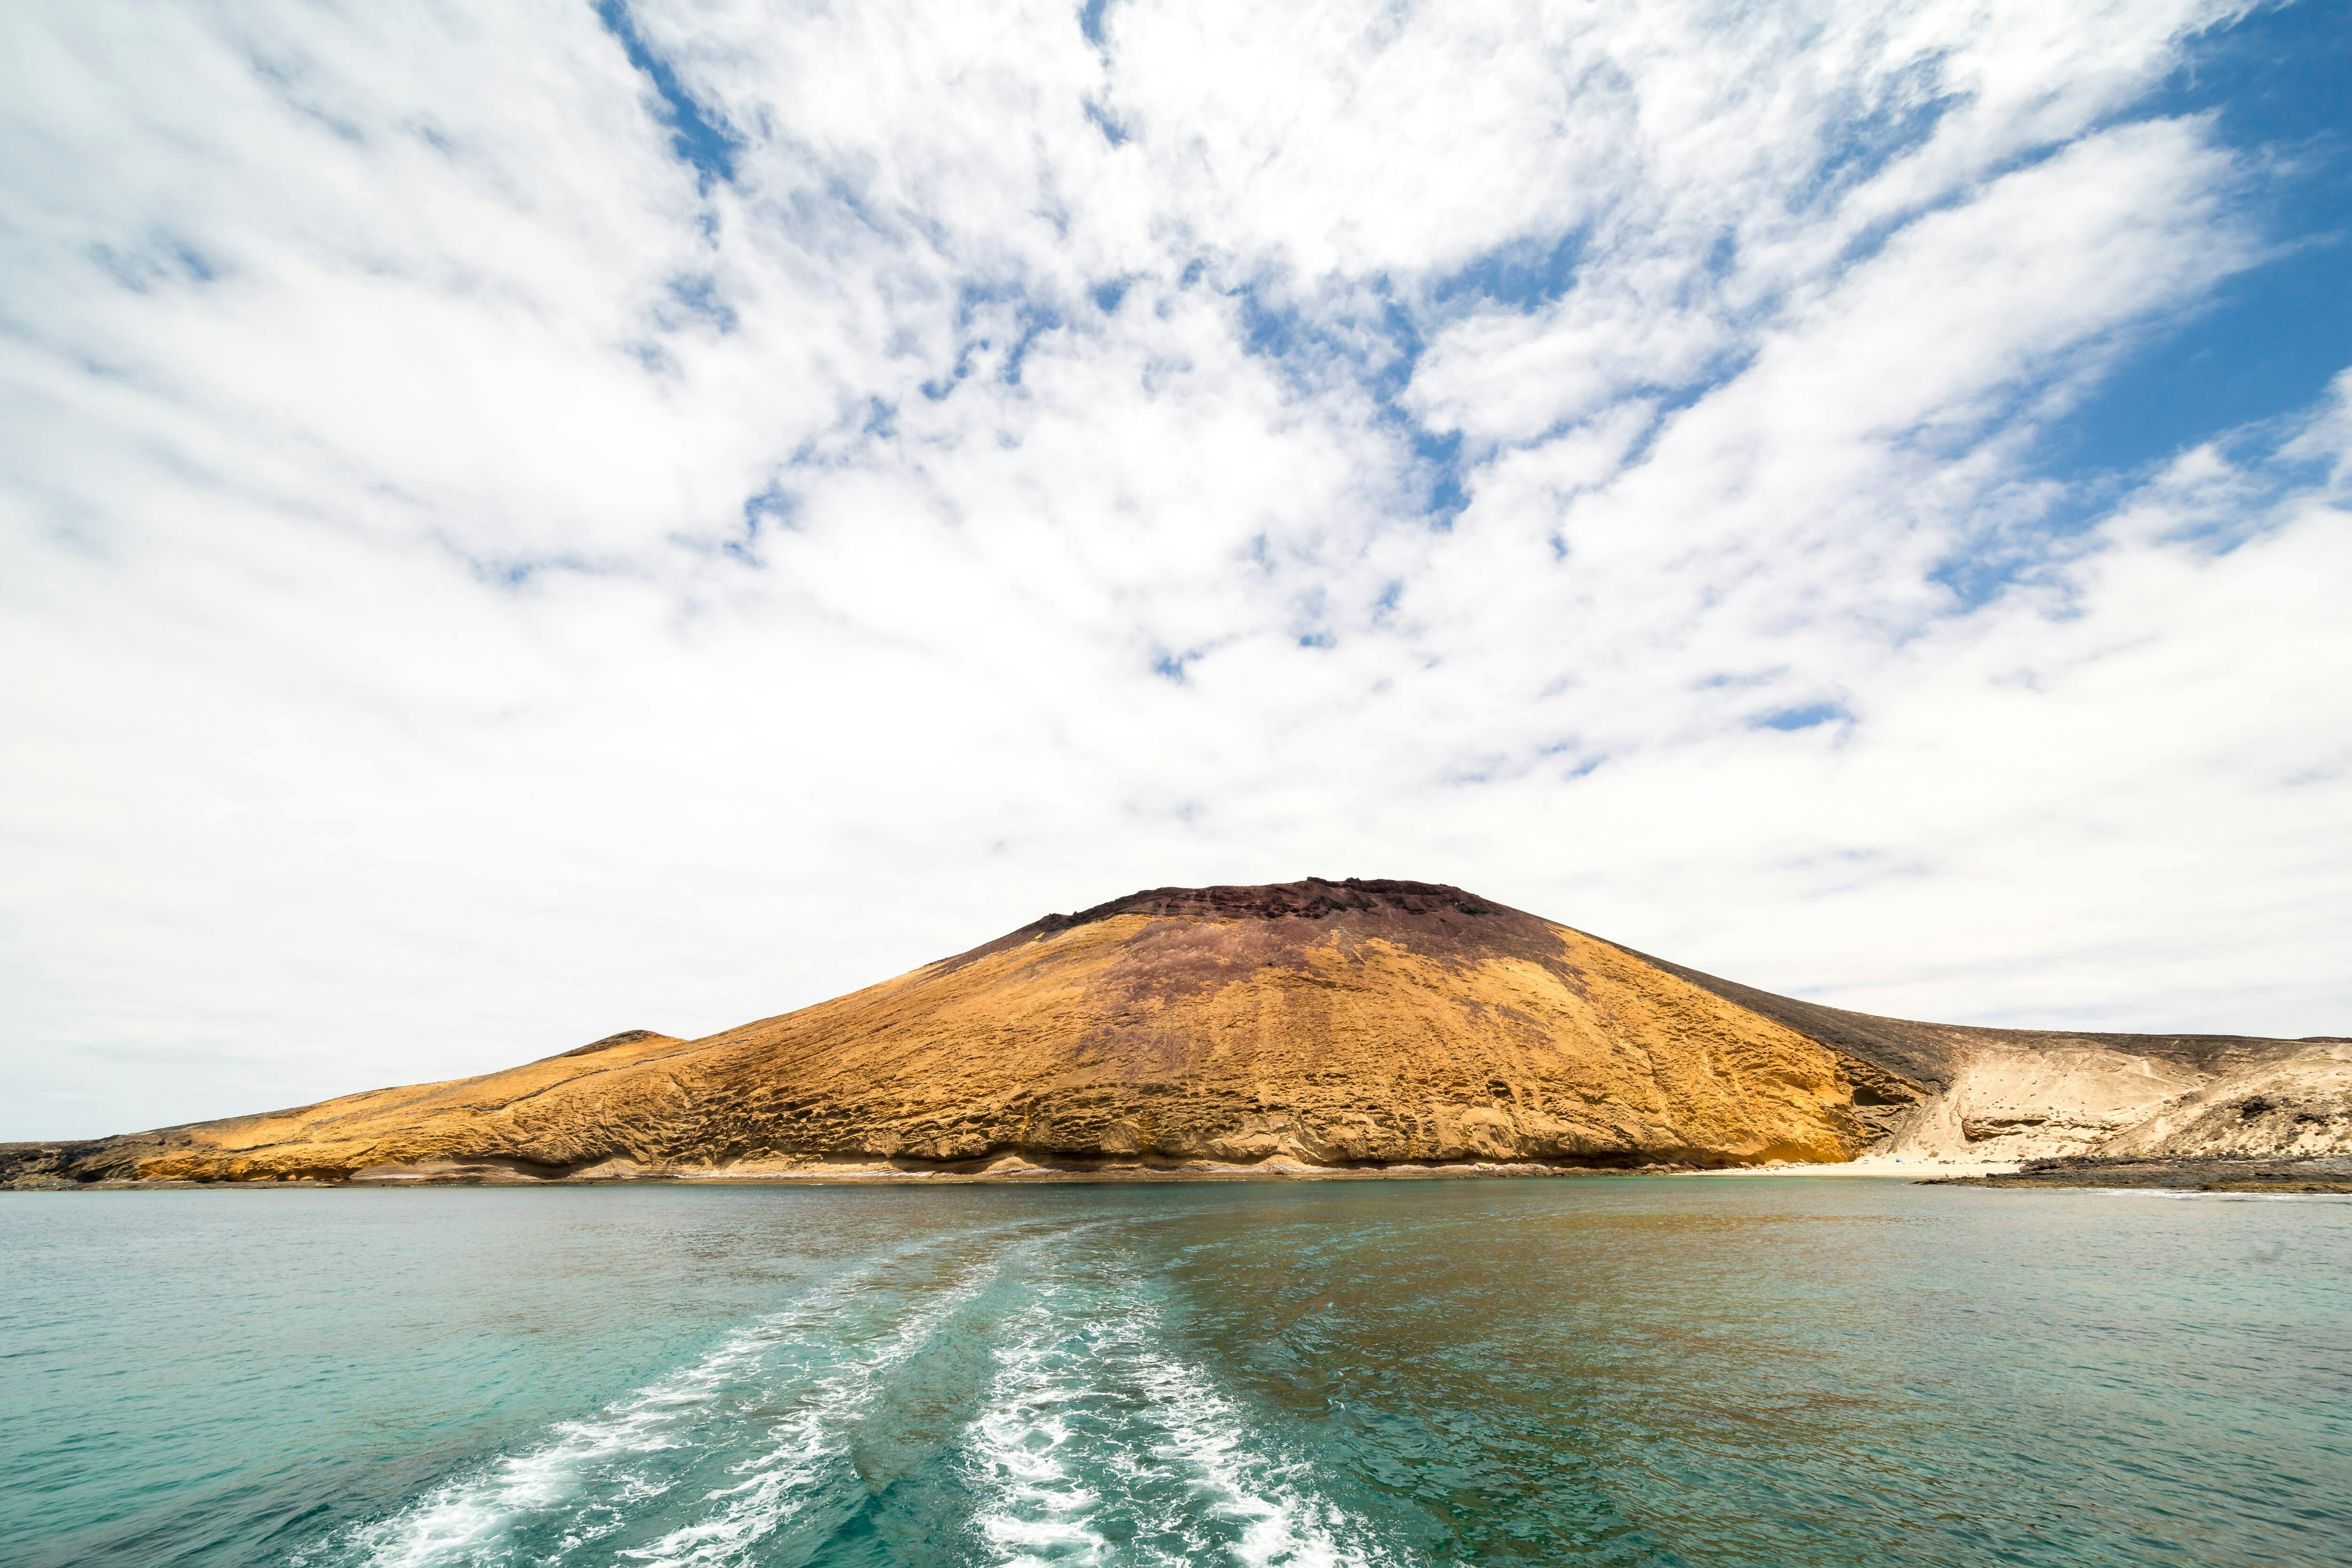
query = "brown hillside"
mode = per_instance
[{"x": 1331, "y": 1024}]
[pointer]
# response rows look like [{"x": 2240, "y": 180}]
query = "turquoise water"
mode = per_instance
[{"x": 1780, "y": 1371}]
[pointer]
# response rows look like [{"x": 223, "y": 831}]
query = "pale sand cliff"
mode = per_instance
[{"x": 1309, "y": 1028}]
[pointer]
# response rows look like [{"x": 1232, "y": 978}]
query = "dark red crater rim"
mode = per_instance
[
  {"x": 1313, "y": 899},
  {"x": 1430, "y": 908}
]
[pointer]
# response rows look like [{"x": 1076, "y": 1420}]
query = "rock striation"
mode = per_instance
[{"x": 1315, "y": 1024}]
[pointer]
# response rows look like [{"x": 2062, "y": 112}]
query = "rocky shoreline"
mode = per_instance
[
  {"x": 2240, "y": 1175},
  {"x": 2225, "y": 1174},
  {"x": 1002, "y": 1171}
]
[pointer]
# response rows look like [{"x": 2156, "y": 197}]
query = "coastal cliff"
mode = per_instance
[{"x": 1306, "y": 1025}]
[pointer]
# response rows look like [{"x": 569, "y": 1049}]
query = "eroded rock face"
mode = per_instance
[{"x": 1315, "y": 1022}]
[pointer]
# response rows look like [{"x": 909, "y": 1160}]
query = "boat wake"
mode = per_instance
[
  {"x": 741, "y": 1437},
  {"x": 1095, "y": 1445},
  {"x": 1081, "y": 1441}
]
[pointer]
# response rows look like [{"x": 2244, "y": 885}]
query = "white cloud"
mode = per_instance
[{"x": 474, "y": 583}]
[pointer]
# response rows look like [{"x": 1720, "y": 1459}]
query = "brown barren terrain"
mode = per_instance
[{"x": 1315, "y": 1025}]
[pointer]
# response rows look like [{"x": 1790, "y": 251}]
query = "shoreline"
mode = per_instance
[
  {"x": 2319, "y": 1177},
  {"x": 2316, "y": 1176},
  {"x": 1013, "y": 1170},
  {"x": 1875, "y": 1166}
]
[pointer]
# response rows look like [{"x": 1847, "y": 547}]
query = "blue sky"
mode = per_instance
[
  {"x": 2278, "y": 84},
  {"x": 624, "y": 514}
]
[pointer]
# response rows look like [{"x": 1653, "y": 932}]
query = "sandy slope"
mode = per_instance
[{"x": 1307, "y": 1026}]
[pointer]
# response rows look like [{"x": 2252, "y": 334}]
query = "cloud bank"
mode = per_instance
[{"x": 520, "y": 525}]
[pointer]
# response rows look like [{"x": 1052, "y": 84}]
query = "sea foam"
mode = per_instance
[
  {"x": 1096, "y": 1445},
  {"x": 1088, "y": 1442},
  {"x": 784, "y": 1478},
  {"x": 591, "y": 1479}
]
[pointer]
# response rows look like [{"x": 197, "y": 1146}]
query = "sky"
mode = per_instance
[{"x": 523, "y": 522}]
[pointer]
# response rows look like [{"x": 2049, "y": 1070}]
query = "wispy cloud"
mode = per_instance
[{"x": 530, "y": 523}]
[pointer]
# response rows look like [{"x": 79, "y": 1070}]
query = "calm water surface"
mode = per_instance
[{"x": 1779, "y": 1372}]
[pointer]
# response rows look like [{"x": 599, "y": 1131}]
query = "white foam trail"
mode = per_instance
[
  {"x": 592, "y": 1468},
  {"x": 466, "y": 1520},
  {"x": 1146, "y": 1425},
  {"x": 1041, "y": 1515},
  {"x": 779, "y": 1483},
  {"x": 1093, "y": 1446},
  {"x": 1281, "y": 1527}
]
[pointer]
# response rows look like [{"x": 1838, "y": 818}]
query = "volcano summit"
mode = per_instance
[{"x": 1315, "y": 1024}]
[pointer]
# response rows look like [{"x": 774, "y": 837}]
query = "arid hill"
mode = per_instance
[{"x": 1309, "y": 1024}]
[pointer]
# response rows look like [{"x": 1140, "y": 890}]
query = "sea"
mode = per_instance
[{"x": 1622, "y": 1370}]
